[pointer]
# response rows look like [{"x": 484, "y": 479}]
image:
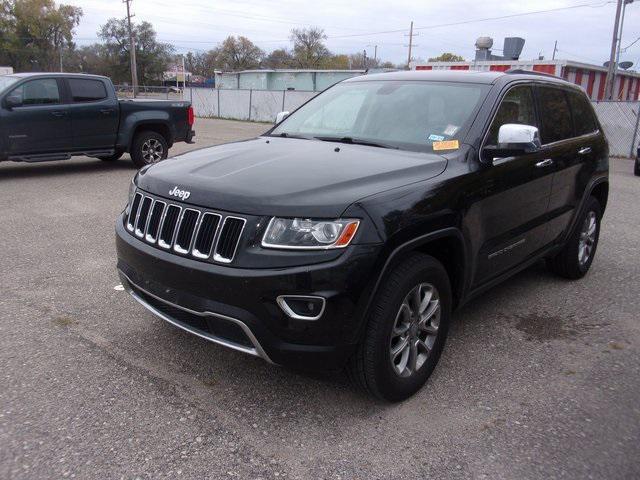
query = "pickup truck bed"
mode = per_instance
[{"x": 48, "y": 116}]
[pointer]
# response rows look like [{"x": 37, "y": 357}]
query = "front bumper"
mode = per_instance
[{"x": 237, "y": 307}]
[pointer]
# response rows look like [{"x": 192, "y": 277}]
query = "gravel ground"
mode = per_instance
[{"x": 540, "y": 377}]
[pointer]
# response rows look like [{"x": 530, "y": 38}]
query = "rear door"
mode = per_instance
[
  {"x": 515, "y": 195},
  {"x": 42, "y": 123},
  {"x": 94, "y": 114},
  {"x": 571, "y": 138}
]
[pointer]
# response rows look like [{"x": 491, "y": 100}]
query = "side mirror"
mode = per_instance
[
  {"x": 13, "y": 101},
  {"x": 281, "y": 116},
  {"x": 515, "y": 139}
]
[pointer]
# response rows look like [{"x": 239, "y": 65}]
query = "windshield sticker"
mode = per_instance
[
  {"x": 451, "y": 130},
  {"x": 446, "y": 145},
  {"x": 436, "y": 138}
]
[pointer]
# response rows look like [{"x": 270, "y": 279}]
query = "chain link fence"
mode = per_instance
[
  {"x": 159, "y": 93},
  {"x": 620, "y": 123},
  {"x": 239, "y": 104}
]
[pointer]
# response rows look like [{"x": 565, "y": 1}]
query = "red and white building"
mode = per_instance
[{"x": 590, "y": 77}]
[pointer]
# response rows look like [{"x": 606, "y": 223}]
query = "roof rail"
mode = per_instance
[{"x": 520, "y": 71}]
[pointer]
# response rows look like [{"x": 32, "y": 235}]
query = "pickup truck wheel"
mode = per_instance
[
  {"x": 112, "y": 158},
  {"x": 575, "y": 258},
  {"x": 148, "y": 147},
  {"x": 636, "y": 167},
  {"x": 406, "y": 330}
]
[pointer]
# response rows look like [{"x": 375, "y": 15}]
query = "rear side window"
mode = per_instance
[
  {"x": 43, "y": 91},
  {"x": 87, "y": 90},
  {"x": 583, "y": 119},
  {"x": 516, "y": 107},
  {"x": 554, "y": 115}
]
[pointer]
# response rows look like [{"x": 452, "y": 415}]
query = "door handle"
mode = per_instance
[
  {"x": 584, "y": 151},
  {"x": 58, "y": 113},
  {"x": 544, "y": 163},
  {"x": 106, "y": 111}
]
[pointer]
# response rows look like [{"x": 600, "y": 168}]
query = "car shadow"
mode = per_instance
[{"x": 13, "y": 171}]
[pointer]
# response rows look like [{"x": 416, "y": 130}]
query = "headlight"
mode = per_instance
[
  {"x": 307, "y": 234},
  {"x": 132, "y": 192}
]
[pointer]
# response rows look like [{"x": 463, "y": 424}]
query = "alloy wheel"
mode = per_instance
[
  {"x": 415, "y": 329},
  {"x": 587, "y": 238},
  {"x": 152, "y": 151}
]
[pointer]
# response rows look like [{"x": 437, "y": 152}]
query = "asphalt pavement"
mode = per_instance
[{"x": 540, "y": 377}]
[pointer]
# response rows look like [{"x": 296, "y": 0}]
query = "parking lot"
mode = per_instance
[{"x": 540, "y": 377}]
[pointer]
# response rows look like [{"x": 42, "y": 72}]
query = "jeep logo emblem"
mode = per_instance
[{"x": 181, "y": 194}]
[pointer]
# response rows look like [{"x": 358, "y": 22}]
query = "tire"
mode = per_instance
[
  {"x": 374, "y": 368},
  {"x": 636, "y": 167},
  {"x": 572, "y": 261},
  {"x": 148, "y": 147},
  {"x": 111, "y": 158}
]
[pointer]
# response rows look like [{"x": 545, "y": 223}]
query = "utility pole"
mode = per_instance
[
  {"x": 555, "y": 49},
  {"x": 61, "y": 69},
  {"x": 411, "y": 45},
  {"x": 132, "y": 52},
  {"x": 624, "y": 9},
  {"x": 364, "y": 59},
  {"x": 611, "y": 73}
]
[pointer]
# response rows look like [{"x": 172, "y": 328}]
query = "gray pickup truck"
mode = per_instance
[{"x": 49, "y": 116}]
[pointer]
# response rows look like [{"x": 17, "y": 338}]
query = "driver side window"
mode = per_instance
[
  {"x": 516, "y": 107},
  {"x": 43, "y": 91}
]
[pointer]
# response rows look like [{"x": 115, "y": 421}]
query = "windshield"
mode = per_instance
[
  {"x": 7, "y": 80},
  {"x": 409, "y": 115}
]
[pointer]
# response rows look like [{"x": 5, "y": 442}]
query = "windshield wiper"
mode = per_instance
[
  {"x": 355, "y": 141},
  {"x": 288, "y": 135}
]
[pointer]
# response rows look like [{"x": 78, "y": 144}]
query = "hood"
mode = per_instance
[{"x": 286, "y": 176}]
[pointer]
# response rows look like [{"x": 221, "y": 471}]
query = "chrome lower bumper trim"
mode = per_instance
[{"x": 256, "y": 351}]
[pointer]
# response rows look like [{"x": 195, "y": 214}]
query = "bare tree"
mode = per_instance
[{"x": 309, "y": 50}]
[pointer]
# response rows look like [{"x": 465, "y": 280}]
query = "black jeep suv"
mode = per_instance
[{"x": 347, "y": 234}]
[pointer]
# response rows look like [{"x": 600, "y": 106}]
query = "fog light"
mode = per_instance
[{"x": 302, "y": 307}]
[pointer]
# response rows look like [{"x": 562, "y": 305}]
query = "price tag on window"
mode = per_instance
[{"x": 446, "y": 145}]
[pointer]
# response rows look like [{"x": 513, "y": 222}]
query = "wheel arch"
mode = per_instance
[
  {"x": 158, "y": 127},
  {"x": 447, "y": 246}
]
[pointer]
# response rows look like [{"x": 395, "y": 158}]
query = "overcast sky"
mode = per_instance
[{"x": 583, "y": 34}]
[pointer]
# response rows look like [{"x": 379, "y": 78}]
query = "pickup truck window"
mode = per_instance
[
  {"x": 87, "y": 90},
  {"x": 43, "y": 91},
  {"x": 516, "y": 107},
  {"x": 408, "y": 115}
]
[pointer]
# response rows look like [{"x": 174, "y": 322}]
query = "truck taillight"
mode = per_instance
[{"x": 190, "y": 116}]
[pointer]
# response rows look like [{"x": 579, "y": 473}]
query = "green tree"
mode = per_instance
[
  {"x": 279, "y": 58},
  {"x": 201, "y": 63},
  {"x": 35, "y": 33},
  {"x": 447, "y": 57},
  {"x": 238, "y": 53},
  {"x": 152, "y": 57},
  {"x": 309, "y": 50}
]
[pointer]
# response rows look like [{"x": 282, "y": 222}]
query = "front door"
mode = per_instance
[
  {"x": 41, "y": 124},
  {"x": 511, "y": 205}
]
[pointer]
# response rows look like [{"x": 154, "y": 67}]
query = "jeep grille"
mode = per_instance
[{"x": 185, "y": 230}]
